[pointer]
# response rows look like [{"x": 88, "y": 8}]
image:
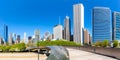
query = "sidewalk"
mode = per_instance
[{"x": 83, "y": 55}]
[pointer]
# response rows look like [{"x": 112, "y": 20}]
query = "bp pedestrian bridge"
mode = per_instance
[{"x": 54, "y": 53}]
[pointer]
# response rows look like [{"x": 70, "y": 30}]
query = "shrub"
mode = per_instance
[
  {"x": 105, "y": 43},
  {"x": 98, "y": 44},
  {"x": 115, "y": 43},
  {"x": 57, "y": 43}
]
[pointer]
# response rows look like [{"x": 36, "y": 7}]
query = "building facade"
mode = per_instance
[
  {"x": 37, "y": 35},
  {"x": 86, "y": 37},
  {"x": 101, "y": 24},
  {"x": 67, "y": 31},
  {"x": 25, "y": 37},
  {"x": 116, "y": 26},
  {"x": 5, "y": 33},
  {"x": 57, "y": 31},
  {"x": 78, "y": 14}
]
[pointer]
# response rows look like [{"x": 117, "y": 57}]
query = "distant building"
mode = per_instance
[
  {"x": 101, "y": 24},
  {"x": 14, "y": 37},
  {"x": 67, "y": 31},
  {"x": 18, "y": 38},
  {"x": 10, "y": 39},
  {"x": 30, "y": 39},
  {"x": 86, "y": 37},
  {"x": 25, "y": 37},
  {"x": 5, "y": 33},
  {"x": 37, "y": 35},
  {"x": 71, "y": 37},
  {"x": 78, "y": 15},
  {"x": 116, "y": 26},
  {"x": 1, "y": 41},
  {"x": 47, "y": 36},
  {"x": 57, "y": 31}
]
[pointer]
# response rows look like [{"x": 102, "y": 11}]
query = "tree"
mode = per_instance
[
  {"x": 98, "y": 44},
  {"x": 105, "y": 43},
  {"x": 115, "y": 43}
]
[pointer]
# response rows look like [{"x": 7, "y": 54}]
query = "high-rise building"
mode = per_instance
[
  {"x": 5, "y": 33},
  {"x": 67, "y": 31},
  {"x": 1, "y": 41},
  {"x": 37, "y": 35},
  {"x": 78, "y": 13},
  {"x": 116, "y": 26},
  {"x": 14, "y": 37},
  {"x": 18, "y": 39},
  {"x": 86, "y": 37},
  {"x": 101, "y": 24},
  {"x": 30, "y": 39},
  {"x": 10, "y": 39},
  {"x": 57, "y": 31},
  {"x": 25, "y": 37}
]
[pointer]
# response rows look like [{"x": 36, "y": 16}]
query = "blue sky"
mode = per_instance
[{"x": 27, "y": 15}]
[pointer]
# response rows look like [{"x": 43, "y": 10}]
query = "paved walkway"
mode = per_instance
[
  {"x": 21, "y": 56},
  {"x": 83, "y": 55}
]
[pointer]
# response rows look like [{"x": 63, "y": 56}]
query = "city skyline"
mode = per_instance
[{"x": 26, "y": 16}]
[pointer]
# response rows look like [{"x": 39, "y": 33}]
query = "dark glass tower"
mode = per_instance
[
  {"x": 116, "y": 26},
  {"x": 101, "y": 24},
  {"x": 5, "y": 33}
]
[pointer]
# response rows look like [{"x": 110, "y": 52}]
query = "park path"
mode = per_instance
[{"x": 75, "y": 54}]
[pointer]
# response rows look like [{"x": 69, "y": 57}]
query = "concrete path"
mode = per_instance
[{"x": 83, "y": 55}]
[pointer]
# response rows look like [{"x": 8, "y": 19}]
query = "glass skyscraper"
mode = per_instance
[
  {"x": 4, "y": 33},
  {"x": 101, "y": 24},
  {"x": 116, "y": 26}
]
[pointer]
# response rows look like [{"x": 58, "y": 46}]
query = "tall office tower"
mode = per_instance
[
  {"x": 14, "y": 37},
  {"x": 101, "y": 24},
  {"x": 37, "y": 35},
  {"x": 18, "y": 38},
  {"x": 86, "y": 37},
  {"x": 116, "y": 26},
  {"x": 57, "y": 31},
  {"x": 5, "y": 33},
  {"x": 78, "y": 14},
  {"x": 10, "y": 39},
  {"x": 67, "y": 31},
  {"x": 25, "y": 37}
]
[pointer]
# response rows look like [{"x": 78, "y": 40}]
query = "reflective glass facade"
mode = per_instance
[
  {"x": 4, "y": 32},
  {"x": 101, "y": 24},
  {"x": 116, "y": 26}
]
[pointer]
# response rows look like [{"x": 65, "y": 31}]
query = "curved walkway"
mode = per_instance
[{"x": 75, "y": 54}]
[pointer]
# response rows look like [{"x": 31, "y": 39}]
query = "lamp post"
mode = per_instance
[{"x": 38, "y": 50}]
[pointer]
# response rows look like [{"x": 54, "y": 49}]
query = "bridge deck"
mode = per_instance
[{"x": 83, "y": 55}]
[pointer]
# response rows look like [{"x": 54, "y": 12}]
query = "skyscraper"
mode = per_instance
[
  {"x": 10, "y": 39},
  {"x": 25, "y": 37},
  {"x": 67, "y": 31},
  {"x": 57, "y": 31},
  {"x": 18, "y": 38},
  {"x": 5, "y": 33},
  {"x": 116, "y": 26},
  {"x": 78, "y": 14},
  {"x": 37, "y": 35},
  {"x": 101, "y": 24}
]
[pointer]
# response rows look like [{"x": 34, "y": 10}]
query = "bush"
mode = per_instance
[
  {"x": 19, "y": 47},
  {"x": 115, "y": 43},
  {"x": 57, "y": 43},
  {"x": 98, "y": 44},
  {"x": 105, "y": 43}
]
